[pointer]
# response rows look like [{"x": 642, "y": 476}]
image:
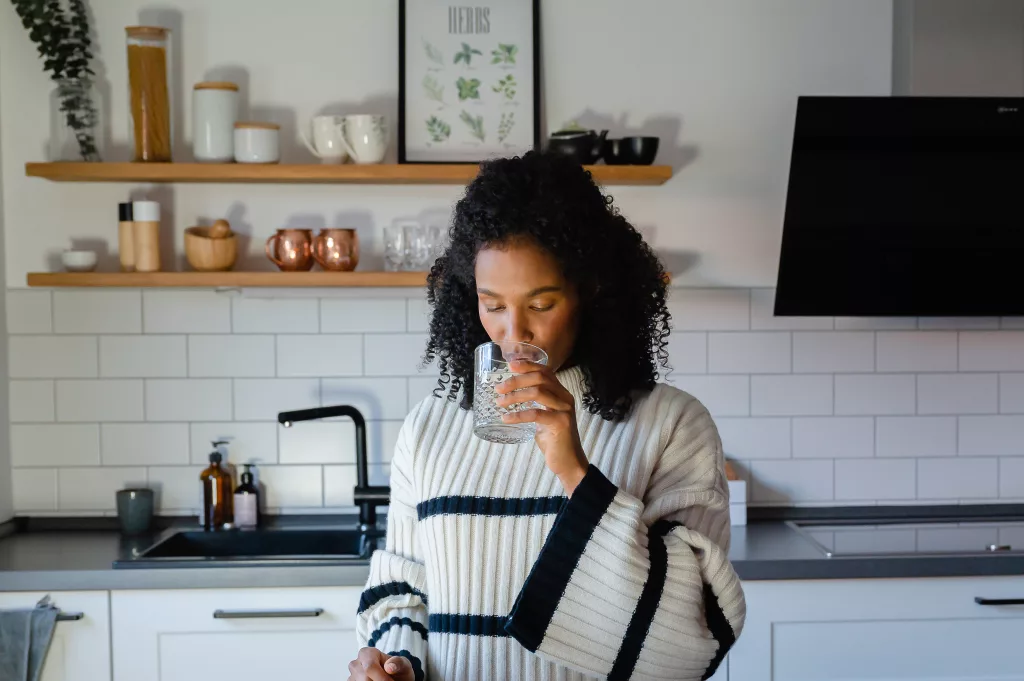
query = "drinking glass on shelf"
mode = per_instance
[
  {"x": 491, "y": 361},
  {"x": 418, "y": 247},
  {"x": 395, "y": 248}
]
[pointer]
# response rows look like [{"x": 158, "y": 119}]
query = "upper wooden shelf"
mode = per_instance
[
  {"x": 384, "y": 173},
  {"x": 229, "y": 279}
]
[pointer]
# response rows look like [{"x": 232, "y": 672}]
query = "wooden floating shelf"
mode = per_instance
[
  {"x": 393, "y": 173},
  {"x": 228, "y": 279}
]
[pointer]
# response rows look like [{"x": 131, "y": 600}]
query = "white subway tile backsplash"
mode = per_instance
[
  {"x": 762, "y": 315},
  {"x": 875, "y": 323},
  {"x": 143, "y": 357},
  {"x": 791, "y": 395},
  {"x": 1011, "y": 478},
  {"x": 100, "y": 400},
  {"x": 957, "y": 394},
  {"x": 421, "y": 387},
  {"x": 959, "y": 478},
  {"x": 709, "y": 309},
  {"x": 992, "y": 351},
  {"x": 243, "y": 356},
  {"x": 97, "y": 312},
  {"x": 52, "y": 357},
  {"x": 875, "y": 479},
  {"x": 55, "y": 445},
  {"x": 833, "y": 351},
  {"x": 339, "y": 482},
  {"x": 917, "y": 351},
  {"x": 247, "y": 442},
  {"x": 260, "y": 399},
  {"x": 395, "y": 354},
  {"x": 362, "y": 316},
  {"x": 186, "y": 312},
  {"x": 833, "y": 437},
  {"x": 722, "y": 395},
  {"x": 767, "y": 352},
  {"x": 418, "y": 320},
  {"x": 275, "y": 315},
  {"x": 34, "y": 489},
  {"x": 144, "y": 444},
  {"x": 94, "y": 489},
  {"x": 795, "y": 481},
  {"x": 318, "y": 442},
  {"x": 29, "y": 312},
  {"x": 188, "y": 399},
  {"x": 915, "y": 436},
  {"x": 991, "y": 436},
  {"x": 320, "y": 355},
  {"x": 957, "y": 323},
  {"x": 375, "y": 398},
  {"x": 292, "y": 486},
  {"x": 177, "y": 489},
  {"x": 1011, "y": 393},
  {"x": 881, "y": 394},
  {"x": 755, "y": 438},
  {"x": 31, "y": 401},
  {"x": 688, "y": 352}
]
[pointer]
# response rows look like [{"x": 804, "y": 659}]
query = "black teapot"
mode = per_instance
[{"x": 584, "y": 146}]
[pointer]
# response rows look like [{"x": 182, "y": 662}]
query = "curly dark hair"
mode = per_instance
[{"x": 551, "y": 200}]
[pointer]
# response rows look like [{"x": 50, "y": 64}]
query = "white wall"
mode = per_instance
[{"x": 6, "y": 505}]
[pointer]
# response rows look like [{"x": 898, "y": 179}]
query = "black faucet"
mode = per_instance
[{"x": 367, "y": 497}]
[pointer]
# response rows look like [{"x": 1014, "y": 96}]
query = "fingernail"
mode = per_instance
[{"x": 389, "y": 667}]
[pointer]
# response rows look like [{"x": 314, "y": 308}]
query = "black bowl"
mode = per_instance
[
  {"x": 614, "y": 153},
  {"x": 634, "y": 151}
]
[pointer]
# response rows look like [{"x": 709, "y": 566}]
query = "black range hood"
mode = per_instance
[{"x": 904, "y": 206}]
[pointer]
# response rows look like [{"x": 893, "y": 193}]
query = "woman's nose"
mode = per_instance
[{"x": 517, "y": 330}]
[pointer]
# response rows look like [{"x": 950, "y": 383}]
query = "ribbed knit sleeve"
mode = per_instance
[
  {"x": 629, "y": 588},
  {"x": 393, "y": 607}
]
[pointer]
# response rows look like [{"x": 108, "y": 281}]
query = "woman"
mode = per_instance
[{"x": 600, "y": 549}]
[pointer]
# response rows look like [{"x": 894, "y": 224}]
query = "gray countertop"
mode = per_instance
[{"x": 82, "y": 560}]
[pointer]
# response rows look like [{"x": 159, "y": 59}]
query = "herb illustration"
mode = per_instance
[
  {"x": 508, "y": 120},
  {"x": 433, "y": 89},
  {"x": 466, "y": 54},
  {"x": 505, "y": 54},
  {"x": 506, "y": 86},
  {"x": 468, "y": 89},
  {"x": 433, "y": 54},
  {"x": 438, "y": 129},
  {"x": 475, "y": 125}
]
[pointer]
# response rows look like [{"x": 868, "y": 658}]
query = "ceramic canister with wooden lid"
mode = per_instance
[{"x": 214, "y": 112}]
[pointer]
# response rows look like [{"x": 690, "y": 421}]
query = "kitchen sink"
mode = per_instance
[{"x": 184, "y": 548}]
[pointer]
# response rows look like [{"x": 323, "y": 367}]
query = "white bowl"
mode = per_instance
[{"x": 79, "y": 261}]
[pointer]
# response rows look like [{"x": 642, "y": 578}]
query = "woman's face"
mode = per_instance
[{"x": 523, "y": 296}]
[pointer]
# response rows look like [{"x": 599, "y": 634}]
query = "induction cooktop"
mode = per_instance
[{"x": 914, "y": 538}]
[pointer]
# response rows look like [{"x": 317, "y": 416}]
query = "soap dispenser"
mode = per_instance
[
  {"x": 247, "y": 501},
  {"x": 217, "y": 488}
]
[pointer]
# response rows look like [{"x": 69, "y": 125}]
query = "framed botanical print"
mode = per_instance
[{"x": 469, "y": 80}]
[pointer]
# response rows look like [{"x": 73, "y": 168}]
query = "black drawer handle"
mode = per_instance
[
  {"x": 70, "y": 616},
  {"x": 998, "y": 601},
  {"x": 260, "y": 614}
]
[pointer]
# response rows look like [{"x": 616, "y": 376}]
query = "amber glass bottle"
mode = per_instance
[{"x": 217, "y": 492}]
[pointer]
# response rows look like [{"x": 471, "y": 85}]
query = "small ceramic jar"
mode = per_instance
[
  {"x": 214, "y": 112},
  {"x": 257, "y": 142}
]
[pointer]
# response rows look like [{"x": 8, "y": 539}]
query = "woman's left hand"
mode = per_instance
[{"x": 557, "y": 434}]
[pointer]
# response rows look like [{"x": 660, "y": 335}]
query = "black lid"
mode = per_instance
[
  {"x": 124, "y": 212},
  {"x": 247, "y": 474},
  {"x": 216, "y": 457}
]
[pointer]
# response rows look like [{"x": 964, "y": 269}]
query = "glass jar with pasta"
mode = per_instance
[{"x": 149, "y": 92}]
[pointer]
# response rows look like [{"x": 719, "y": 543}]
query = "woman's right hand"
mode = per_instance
[{"x": 375, "y": 665}]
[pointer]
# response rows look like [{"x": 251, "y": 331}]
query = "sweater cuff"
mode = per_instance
[
  {"x": 575, "y": 523},
  {"x": 417, "y": 666}
]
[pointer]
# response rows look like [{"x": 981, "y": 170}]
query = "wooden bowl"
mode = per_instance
[{"x": 207, "y": 254}]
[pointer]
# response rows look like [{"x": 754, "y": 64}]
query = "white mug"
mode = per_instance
[
  {"x": 328, "y": 143},
  {"x": 257, "y": 143},
  {"x": 366, "y": 137}
]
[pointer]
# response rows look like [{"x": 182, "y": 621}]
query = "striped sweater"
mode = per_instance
[{"x": 490, "y": 572}]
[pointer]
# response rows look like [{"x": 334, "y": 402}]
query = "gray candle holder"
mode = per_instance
[{"x": 135, "y": 510}]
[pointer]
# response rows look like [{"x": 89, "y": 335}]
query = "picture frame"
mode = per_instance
[{"x": 469, "y": 80}]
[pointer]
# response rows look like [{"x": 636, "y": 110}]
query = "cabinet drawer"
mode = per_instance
[{"x": 256, "y": 634}]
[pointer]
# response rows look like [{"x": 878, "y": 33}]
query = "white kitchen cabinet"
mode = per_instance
[
  {"x": 874, "y": 629},
  {"x": 80, "y": 650},
  {"x": 256, "y": 634}
]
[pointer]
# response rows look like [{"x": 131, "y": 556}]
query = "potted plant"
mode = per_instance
[{"x": 61, "y": 36}]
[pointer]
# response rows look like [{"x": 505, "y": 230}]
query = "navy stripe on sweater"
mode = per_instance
[
  {"x": 720, "y": 629},
  {"x": 493, "y": 506},
  {"x": 468, "y": 625},
  {"x": 396, "y": 622},
  {"x": 569, "y": 536},
  {"x": 370, "y": 597}
]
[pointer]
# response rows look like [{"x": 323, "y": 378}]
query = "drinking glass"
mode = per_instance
[
  {"x": 418, "y": 247},
  {"x": 492, "y": 367},
  {"x": 395, "y": 248}
]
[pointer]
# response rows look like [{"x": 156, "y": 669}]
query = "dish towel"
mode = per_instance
[{"x": 25, "y": 637}]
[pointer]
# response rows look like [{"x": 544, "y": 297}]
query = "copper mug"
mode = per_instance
[
  {"x": 291, "y": 249},
  {"x": 337, "y": 250}
]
